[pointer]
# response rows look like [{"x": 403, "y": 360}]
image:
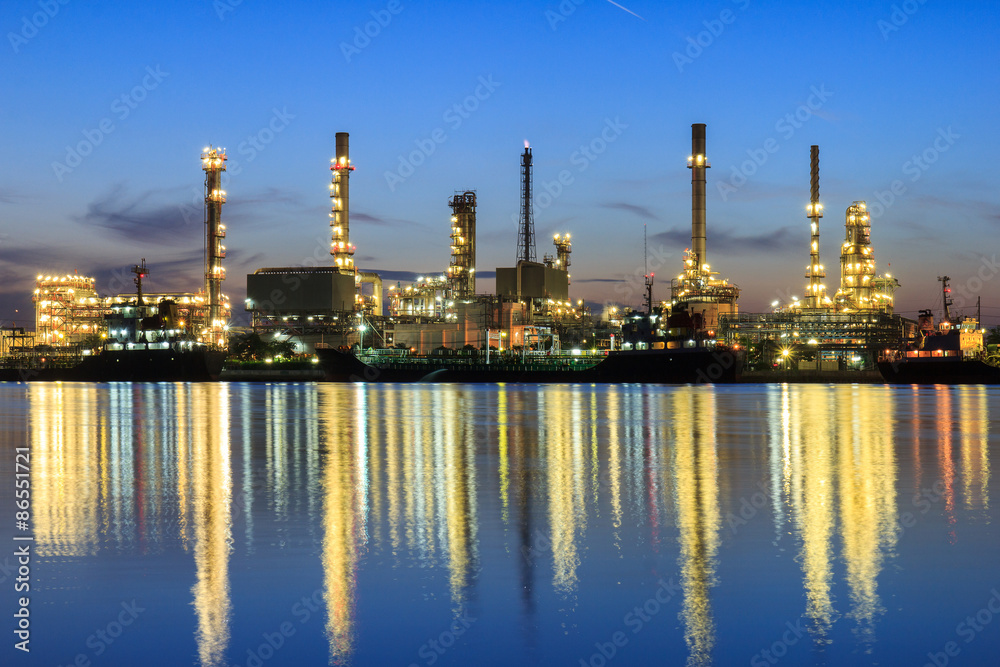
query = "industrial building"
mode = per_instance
[
  {"x": 817, "y": 332},
  {"x": 67, "y": 309},
  {"x": 322, "y": 304},
  {"x": 542, "y": 286},
  {"x": 332, "y": 305},
  {"x": 70, "y": 314},
  {"x": 707, "y": 297}
]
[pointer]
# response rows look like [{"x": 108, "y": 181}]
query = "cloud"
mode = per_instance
[
  {"x": 43, "y": 258},
  {"x": 8, "y": 196},
  {"x": 137, "y": 219},
  {"x": 266, "y": 196},
  {"x": 724, "y": 240},
  {"x": 383, "y": 221},
  {"x": 640, "y": 211},
  {"x": 596, "y": 280}
]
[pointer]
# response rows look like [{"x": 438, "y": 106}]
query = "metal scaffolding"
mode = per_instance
[
  {"x": 815, "y": 290},
  {"x": 526, "y": 229},
  {"x": 213, "y": 162},
  {"x": 462, "y": 271}
]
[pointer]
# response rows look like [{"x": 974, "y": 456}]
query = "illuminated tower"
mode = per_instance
[
  {"x": 857, "y": 261},
  {"x": 698, "y": 163},
  {"x": 563, "y": 250},
  {"x": 526, "y": 230},
  {"x": 340, "y": 247},
  {"x": 697, "y": 286},
  {"x": 815, "y": 290},
  {"x": 213, "y": 162},
  {"x": 462, "y": 272}
]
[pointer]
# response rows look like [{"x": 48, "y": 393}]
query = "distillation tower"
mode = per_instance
[
  {"x": 526, "y": 230},
  {"x": 462, "y": 271},
  {"x": 815, "y": 290},
  {"x": 563, "y": 249},
  {"x": 340, "y": 246},
  {"x": 213, "y": 162},
  {"x": 857, "y": 261},
  {"x": 697, "y": 285}
]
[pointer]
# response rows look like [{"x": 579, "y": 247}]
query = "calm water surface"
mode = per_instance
[{"x": 245, "y": 524}]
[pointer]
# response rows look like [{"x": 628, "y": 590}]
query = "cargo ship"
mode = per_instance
[
  {"x": 717, "y": 364},
  {"x": 683, "y": 356},
  {"x": 142, "y": 343},
  {"x": 952, "y": 353},
  {"x": 137, "y": 349}
]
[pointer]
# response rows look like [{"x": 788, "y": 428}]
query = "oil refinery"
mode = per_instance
[{"x": 342, "y": 306}]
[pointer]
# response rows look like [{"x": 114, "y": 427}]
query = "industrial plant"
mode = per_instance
[
  {"x": 817, "y": 332},
  {"x": 342, "y": 306},
  {"x": 71, "y": 317},
  {"x": 335, "y": 306}
]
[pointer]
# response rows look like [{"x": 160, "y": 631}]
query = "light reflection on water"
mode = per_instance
[{"x": 507, "y": 502}]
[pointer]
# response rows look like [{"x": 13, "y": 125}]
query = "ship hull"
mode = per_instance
[
  {"x": 683, "y": 366},
  {"x": 939, "y": 371},
  {"x": 157, "y": 365}
]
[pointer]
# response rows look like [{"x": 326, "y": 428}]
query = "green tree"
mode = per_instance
[{"x": 993, "y": 336}]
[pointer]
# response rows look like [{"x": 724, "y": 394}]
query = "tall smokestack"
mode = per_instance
[
  {"x": 340, "y": 245},
  {"x": 815, "y": 273},
  {"x": 698, "y": 163},
  {"x": 213, "y": 162}
]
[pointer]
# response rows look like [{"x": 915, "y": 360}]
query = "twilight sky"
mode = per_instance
[{"x": 106, "y": 107}]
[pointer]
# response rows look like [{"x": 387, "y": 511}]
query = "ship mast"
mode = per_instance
[
  {"x": 946, "y": 297},
  {"x": 140, "y": 272}
]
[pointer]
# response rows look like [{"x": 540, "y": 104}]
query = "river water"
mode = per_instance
[{"x": 309, "y": 524}]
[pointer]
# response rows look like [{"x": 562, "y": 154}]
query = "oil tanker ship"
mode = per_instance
[
  {"x": 142, "y": 343},
  {"x": 952, "y": 353},
  {"x": 685, "y": 355}
]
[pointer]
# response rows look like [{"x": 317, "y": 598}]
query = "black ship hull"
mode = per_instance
[
  {"x": 939, "y": 371},
  {"x": 138, "y": 365},
  {"x": 681, "y": 366}
]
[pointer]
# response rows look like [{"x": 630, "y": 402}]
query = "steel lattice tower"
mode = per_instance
[{"x": 526, "y": 230}]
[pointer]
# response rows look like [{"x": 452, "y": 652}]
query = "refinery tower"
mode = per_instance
[{"x": 698, "y": 286}]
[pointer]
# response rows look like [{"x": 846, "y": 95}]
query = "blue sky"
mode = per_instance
[{"x": 143, "y": 87}]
